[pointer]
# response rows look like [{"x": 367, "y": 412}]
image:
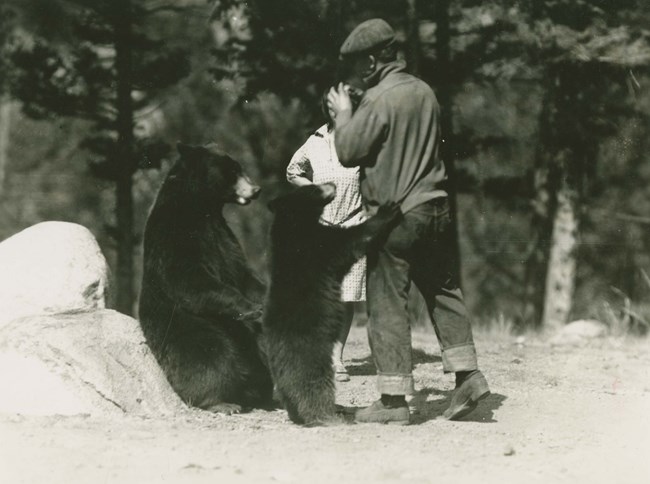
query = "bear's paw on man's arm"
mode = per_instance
[{"x": 360, "y": 237}]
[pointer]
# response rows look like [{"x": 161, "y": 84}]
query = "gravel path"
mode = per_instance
[{"x": 556, "y": 414}]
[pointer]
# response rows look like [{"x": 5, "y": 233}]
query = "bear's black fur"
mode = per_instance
[
  {"x": 200, "y": 304},
  {"x": 304, "y": 311}
]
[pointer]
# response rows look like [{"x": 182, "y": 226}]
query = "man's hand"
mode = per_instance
[{"x": 339, "y": 103}]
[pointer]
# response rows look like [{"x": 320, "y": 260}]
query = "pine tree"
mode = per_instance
[
  {"x": 573, "y": 57},
  {"x": 584, "y": 52},
  {"x": 113, "y": 66},
  {"x": 6, "y": 30}
]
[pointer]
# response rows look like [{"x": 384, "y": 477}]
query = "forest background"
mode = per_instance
[{"x": 546, "y": 127}]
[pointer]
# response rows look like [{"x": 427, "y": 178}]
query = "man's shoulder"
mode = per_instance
[{"x": 400, "y": 83}]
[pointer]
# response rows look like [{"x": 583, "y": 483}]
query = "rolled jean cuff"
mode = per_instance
[
  {"x": 391, "y": 384},
  {"x": 459, "y": 358}
]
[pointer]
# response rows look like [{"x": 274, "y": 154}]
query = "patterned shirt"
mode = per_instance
[{"x": 317, "y": 161}]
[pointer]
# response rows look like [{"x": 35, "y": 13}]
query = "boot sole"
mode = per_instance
[
  {"x": 468, "y": 408},
  {"x": 388, "y": 422}
]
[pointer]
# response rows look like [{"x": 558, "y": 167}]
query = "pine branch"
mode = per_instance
[
  {"x": 171, "y": 8},
  {"x": 633, "y": 218},
  {"x": 150, "y": 110},
  {"x": 164, "y": 8}
]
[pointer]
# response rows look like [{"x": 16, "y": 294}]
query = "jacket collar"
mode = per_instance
[{"x": 385, "y": 70}]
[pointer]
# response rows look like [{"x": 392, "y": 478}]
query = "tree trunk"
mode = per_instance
[
  {"x": 412, "y": 37},
  {"x": 5, "y": 124},
  {"x": 560, "y": 279},
  {"x": 536, "y": 269},
  {"x": 559, "y": 186},
  {"x": 546, "y": 185},
  {"x": 445, "y": 97},
  {"x": 125, "y": 155}
]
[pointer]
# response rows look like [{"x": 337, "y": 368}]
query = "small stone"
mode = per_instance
[{"x": 509, "y": 450}]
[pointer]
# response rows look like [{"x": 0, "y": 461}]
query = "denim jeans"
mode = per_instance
[{"x": 417, "y": 250}]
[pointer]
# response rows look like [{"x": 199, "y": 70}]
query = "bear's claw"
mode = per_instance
[{"x": 225, "y": 408}]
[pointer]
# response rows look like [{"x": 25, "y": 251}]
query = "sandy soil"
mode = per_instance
[{"x": 556, "y": 414}]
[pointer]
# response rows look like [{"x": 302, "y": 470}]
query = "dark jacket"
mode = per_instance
[{"x": 394, "y": 135}]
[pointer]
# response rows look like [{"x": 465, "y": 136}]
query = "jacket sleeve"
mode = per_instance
[
  {"x": 360, "y": 138},
  {"x": 300, "y": 166}
]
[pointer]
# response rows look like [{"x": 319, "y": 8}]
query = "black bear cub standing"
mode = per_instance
[
  {"x": 200, "y": 304},
  {"x": 304, "y": 311}
]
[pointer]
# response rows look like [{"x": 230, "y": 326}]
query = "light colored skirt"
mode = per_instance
[
  {"x": 353, "y": 287},
  {"x": 354, "y": 282}
]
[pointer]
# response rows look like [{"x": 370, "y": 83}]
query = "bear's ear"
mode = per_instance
[
  {"x": 214, "y": 149},
  {"x": 186, "y": 151}
]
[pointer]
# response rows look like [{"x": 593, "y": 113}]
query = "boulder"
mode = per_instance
[
  {"x": 94, "y": 363},
  {"x": 51, "y": 267}
]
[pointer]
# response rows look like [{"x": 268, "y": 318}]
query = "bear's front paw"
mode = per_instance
[
  {"x": 251, "y": 316},
  {"x": 389, "y": 212},
  {"x": 225, "y": 408}
]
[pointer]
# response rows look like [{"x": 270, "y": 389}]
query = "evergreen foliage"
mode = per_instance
[
  {"x": 540, "y": 97},
  {"x": 109, "y": 70}
]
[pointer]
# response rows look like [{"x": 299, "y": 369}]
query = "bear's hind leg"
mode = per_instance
[
  {"x": 312, "y": 395},
  {"x": 292, "y": 410},
  {"x": 317, "y": 407}
]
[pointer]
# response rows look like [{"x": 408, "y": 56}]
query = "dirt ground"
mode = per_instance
[{"x": 556, "y": 414}]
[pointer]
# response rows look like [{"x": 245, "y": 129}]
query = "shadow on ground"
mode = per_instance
[{"x": 425, "y": 409}]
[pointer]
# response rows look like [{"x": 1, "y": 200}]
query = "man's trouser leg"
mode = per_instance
[
  {"x": 389, "y": 332},
  {"x": 434, "y": 272}
]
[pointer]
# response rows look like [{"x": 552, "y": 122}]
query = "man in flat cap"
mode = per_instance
[{"x": 394, "y": 136}]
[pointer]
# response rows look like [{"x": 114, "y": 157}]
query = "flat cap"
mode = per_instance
[{"x": 368, "y": 35}]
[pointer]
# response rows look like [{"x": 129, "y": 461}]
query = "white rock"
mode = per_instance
[
  {"x": 94, "y": 363},
  {"x": 579, "y": 332},
  {"x": 585, "y": 328},
  {"x": 51, "y": 267}
]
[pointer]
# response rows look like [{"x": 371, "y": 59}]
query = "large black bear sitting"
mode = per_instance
[
  {"x": 304, "y": 311},
  {"x": 200, "y": 304}
]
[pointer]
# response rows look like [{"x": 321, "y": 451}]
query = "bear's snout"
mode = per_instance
[{"x": 245, "y": 190}]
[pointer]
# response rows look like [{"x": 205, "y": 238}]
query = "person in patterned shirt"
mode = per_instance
[{"x": 316, "y": 162}]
